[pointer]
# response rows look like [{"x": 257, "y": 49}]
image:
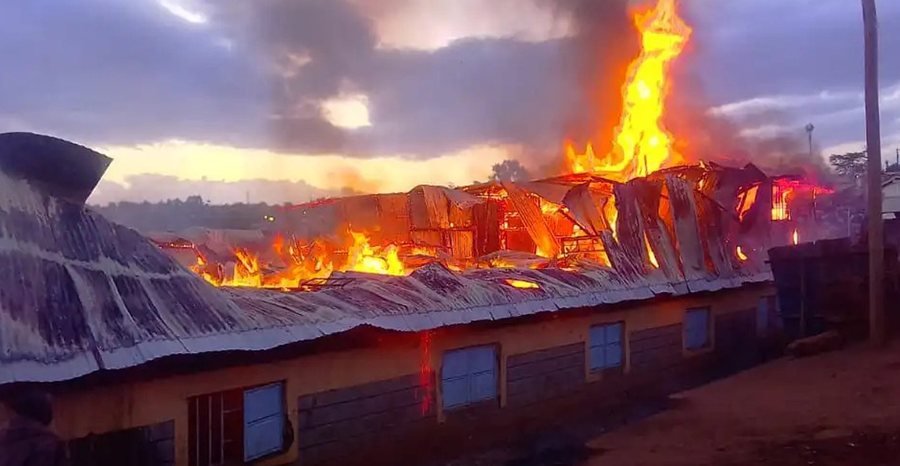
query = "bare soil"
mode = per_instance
[{"x": 838, "y": 408}]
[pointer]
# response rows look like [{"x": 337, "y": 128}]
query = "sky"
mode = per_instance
[{"x": 290, "y": 100}]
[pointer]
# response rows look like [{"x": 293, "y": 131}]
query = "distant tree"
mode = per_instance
[
  {"x": 194, "y": 200},
  {"x": 509, "y": 170},
  {"x": 852, "y": 164}
]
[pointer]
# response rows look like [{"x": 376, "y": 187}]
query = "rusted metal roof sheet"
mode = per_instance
[
  {"x": 432, "y": 297},
  {"x": 80, "y": 294}
]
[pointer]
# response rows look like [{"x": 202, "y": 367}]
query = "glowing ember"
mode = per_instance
[
  {"x": 650, "y": 253},
  {"x": 780, "y": 207},
  {"x": 429, "y": 251},
  {"x": 499, "y": 263},
  {"x": 642, "y": 145},
  {"x": 740, "y": 254},
  {"x": 201, "y": 268},
  {"x": 540, "y": 252},
  {"x": 746, "y": 199},
  {"x": 795, "y": 237},
  {"x": 611, "y": 212},
  {"x": 784, "y": 190},
  {"x": 525, "y": 285},
  {"x": 548, "y": 207}
]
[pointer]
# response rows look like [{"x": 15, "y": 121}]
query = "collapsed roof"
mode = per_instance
[{"x": 80, "y": 294}]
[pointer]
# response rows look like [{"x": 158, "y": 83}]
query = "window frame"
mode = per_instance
[
  {"x": 469, "y": 375},
  {"x": 605, "y": 345},
  {"x": 215, "y": 421},
  {"x": 279, "y": 416},
  {"x": 688, "y": 331}
]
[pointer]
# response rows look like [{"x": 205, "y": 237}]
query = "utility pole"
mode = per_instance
[
  {"x": 815, "y": 229},
  {"x": 809, "y": 132},
  {"x": 877, "y": 333}
]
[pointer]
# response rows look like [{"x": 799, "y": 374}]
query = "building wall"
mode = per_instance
[
  {"x": 377, "y": 398},
  {"x": 548, "y": 373}
]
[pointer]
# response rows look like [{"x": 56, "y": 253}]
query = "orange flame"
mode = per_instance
[
  {"x": 642, "y": 145},
  {"x": 611, "y": 212},
  {"x": 246, "y": 270},
  {"x": 746, "y": 199},
  {"x": 740, "y": 254},
  {"x": 313, "y": 261},
  {"x": 650, "y": 253},
  {"x": 780, "y": 208},
  {"x": 523, "y": 284},
  {"x": 201, "y": 268},
  {"x": 364, "y": 258},
  {"x": 795, "y": 237}
]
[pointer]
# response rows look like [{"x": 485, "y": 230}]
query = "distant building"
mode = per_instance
[{"x": 890, "y": 210}]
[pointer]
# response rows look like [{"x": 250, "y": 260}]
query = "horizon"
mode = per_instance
[{"x": 190, "y": 97}]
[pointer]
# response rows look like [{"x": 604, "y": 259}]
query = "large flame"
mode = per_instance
[
  {"x": 642, "y": 145},
  {"x": 246, "y": 270},
  {"x": 364, "y": 258},
  {"x": 308, "y": 262}
]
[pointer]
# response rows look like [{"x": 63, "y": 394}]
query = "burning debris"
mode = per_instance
[
  {"x": 641, "y": 143},
  {"x": 680, "y": 222},
  {"x": 640, "y": 210}
]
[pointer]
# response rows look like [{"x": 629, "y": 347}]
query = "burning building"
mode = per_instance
[{"x": 384, "y": 328}]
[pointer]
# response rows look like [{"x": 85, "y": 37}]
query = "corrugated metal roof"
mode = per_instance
[{"x": 79, "y": 294}]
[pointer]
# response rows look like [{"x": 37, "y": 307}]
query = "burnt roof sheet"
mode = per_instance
[{"x": 80, "y": 294}]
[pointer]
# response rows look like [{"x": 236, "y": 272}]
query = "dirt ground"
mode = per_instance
[{"x": 839, "y": 408}]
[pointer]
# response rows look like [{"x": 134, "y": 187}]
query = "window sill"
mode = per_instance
[
  {"x": 469, "y": 410},
  {"x": 596, "y": 375},
  {"x": 691, "y": 352}
]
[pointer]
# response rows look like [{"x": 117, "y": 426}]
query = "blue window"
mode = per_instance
[
  {"x": 469, "y": 375},
  {"x": 605, "y": 346},
  {"x": 696, "y": 328},
  {"x": 263, "y": 421}
]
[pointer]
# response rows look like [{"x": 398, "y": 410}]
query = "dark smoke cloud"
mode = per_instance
[
  {"x": 110, "y": 72},
  {"x": 426, "y": 103},
  {"x": 107, "y": 72}
]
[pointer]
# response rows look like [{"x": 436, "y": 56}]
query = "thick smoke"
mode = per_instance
[
  {"x": 431, "y": 102},
  {"x": 705, "y": 135},
  {"x": 597, "y": 57},
  {"x": 426, "y": 103}
]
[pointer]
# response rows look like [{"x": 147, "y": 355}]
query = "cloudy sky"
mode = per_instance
[{"x": 286, "y": 100}]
